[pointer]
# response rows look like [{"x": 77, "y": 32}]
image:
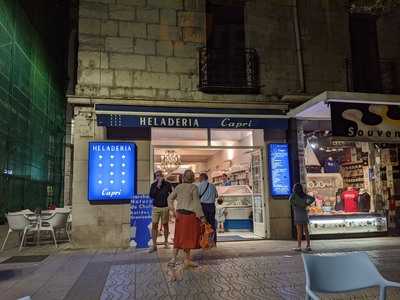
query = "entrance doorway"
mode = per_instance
[{"x": 220, "y": 154}]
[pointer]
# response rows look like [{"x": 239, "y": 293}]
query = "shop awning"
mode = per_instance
[
  {"x": 318, "y": 107},
  {"x": 189, "y": 117},
  {"x": 356, "y": 116}
]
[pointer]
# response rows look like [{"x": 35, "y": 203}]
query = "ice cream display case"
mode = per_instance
[
  {"x": 238, "y": 202},
  {"x": 350, "y": 223}
]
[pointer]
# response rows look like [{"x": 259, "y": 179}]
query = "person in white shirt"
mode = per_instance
[{"x": 220, "y": 215}]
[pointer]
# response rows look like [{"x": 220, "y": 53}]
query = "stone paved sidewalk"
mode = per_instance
[{"x": 237, "y": 270}]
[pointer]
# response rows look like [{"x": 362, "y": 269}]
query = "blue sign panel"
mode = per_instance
[
  {"x": 112, "y": 171},
  {"x": 189, "y": 122},
  {"x": 279, "y": 170},
  {"x": 141, "y": 209}
]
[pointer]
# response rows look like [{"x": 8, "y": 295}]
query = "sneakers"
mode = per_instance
[
  {"x": 153, "y": 249},
  {"x": 308, "y": 249},
  {"x": 166, "y": 245},
  {"x": 298, "y": 249}
]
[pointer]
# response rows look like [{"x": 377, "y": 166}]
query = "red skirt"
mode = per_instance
[{"x": 187, "y": 231}]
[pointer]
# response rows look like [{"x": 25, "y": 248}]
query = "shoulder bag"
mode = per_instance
[{"x": 202, "y": 194}]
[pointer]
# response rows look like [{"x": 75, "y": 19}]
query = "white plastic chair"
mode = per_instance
[
  {"x": 342, "y": 273},
  {"x": 66, "y": 209},
  {"x": 68, "y": 228},
  {"x": 21, "y": 223},
  {"x": 62, "y": 209},
  {"x": 58, "y": 220}
]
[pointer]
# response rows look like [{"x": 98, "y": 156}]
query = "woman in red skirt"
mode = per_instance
[{"x": 189, "y": 216}]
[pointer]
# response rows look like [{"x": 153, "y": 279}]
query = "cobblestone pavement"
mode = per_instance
[{"x": 237, "y": 270}]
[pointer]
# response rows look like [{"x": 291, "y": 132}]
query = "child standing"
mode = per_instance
[{"x": 220, "y": 214}]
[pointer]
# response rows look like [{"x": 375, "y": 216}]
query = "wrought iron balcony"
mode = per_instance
[
  {"x": 387, "y": 80},
  {"x": 233, "y": 71}
]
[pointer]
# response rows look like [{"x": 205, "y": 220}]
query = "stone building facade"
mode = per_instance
[{"x": 145, "y": 52}]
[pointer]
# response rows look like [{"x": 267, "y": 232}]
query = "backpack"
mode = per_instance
[{"x": 206, "y": 236}]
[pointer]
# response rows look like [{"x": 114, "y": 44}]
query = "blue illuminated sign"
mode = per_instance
[
  {"x": 279, "y": 170},
  {"x": 112, "y": 171}
]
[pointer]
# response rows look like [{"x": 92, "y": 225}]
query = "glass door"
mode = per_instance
[{"x": 259, "y": 223}]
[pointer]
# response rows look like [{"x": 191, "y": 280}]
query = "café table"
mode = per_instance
[{"x": 37, "y": 219}]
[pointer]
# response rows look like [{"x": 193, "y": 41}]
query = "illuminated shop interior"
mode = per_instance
[
  {"x": 351, "y": 181},
  {"x": 217, "y": 152},
  {"x": 355, "y": 179}
]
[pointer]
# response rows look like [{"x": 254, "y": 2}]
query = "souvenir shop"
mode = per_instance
[{"x": 349, "y": 160}]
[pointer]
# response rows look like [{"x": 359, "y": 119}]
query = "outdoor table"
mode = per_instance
[
  {"x": 37, "y": 219},
  {"x": 46, "y": 213}
]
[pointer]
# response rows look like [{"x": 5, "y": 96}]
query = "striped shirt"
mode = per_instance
[{"x": 210, "y": 194}]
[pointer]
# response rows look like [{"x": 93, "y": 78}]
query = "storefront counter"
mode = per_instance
[
  {"x": 347, "y": 223},
  {"x": 238, "y": 218},
  {"x": 238, "y": 203}
]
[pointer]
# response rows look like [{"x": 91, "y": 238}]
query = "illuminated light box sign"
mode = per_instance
[
  {"x": 112, "y": 171},
  {"x": 279, "y": 170}
]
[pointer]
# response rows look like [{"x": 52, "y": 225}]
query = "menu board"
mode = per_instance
[
  {"x": 279, "y": 169},
  {"x": 112, "y": 171},
  {"x": 141, "y": 211}
]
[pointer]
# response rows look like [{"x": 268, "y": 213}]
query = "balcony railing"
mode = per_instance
[
  {"x": 233, "y": 71},
  {"x": 388, "y": 79}
]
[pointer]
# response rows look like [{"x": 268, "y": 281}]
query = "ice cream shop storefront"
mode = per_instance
[{"x": 117, "y": 149}]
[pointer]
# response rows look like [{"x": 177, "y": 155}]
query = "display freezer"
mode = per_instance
[{"x": 238, "y": 202}]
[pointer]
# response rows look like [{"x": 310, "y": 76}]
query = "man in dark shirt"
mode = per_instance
[{"x": 159, "y": 191}]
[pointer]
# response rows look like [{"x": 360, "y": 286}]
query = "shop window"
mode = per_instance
[
  {"x": 223, "y": 137},
  {"x": 207, "y": 137},
  {"x": 231, "y": 137},
  {"x": 179, "y": 136},
  {"x": 352, "y": 183}
]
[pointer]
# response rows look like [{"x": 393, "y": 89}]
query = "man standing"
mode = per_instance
[
  {"x": 208, "y": 194},
  {"x": 159, "y": 191}
]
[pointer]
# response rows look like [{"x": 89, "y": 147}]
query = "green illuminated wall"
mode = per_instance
[{"x": 32, "y": 117}]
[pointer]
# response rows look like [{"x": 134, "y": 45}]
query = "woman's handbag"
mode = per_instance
[{"x": 206, "y": 236}]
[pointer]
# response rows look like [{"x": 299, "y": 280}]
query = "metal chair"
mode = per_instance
[
  {"x": 341, "y": 273},
  {"x": 58, "y": 220},
  {"x": 21, "y": 223}
]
